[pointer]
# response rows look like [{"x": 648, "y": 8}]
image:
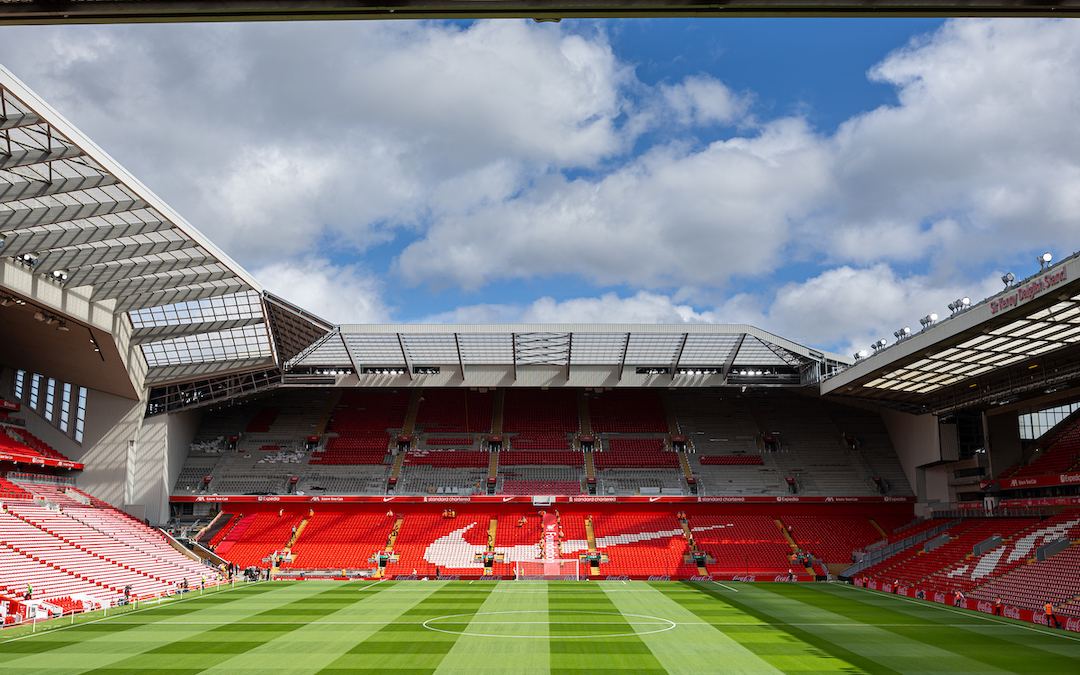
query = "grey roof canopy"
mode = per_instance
[
  {"x": 720, "y": 349},
  {"x": 1024, "y": 338},
  {"x": 72, "y": 214}
]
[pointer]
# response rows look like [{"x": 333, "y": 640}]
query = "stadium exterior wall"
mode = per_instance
[{"x": 917, "y": 444}]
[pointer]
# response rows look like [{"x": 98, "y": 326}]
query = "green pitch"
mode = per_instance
[{"x": 601, "y": 628}]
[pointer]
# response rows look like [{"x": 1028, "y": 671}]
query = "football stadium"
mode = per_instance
[{"x": 197, "y": 475}]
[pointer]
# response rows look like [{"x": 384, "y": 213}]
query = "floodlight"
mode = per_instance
[
  {"x": 933, "y": 316},
  {"x": 966, "y": 302},
  {"x": 1044, "y": 260},
  {"x": 39, "y": 316},
  {"x": 861, "y": 354},
  {"x": 63, "y": 326},
  {"x": 1008, "y": 278}
]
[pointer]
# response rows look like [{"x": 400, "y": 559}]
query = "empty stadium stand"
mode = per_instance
[
  {"x": 742, "y": 544},
  {"x": 832, "y": 538},
  {"x": 1059, "y": 453},
  {"x": 627, "y": 412},
  {"x": 339, "y": 540}
]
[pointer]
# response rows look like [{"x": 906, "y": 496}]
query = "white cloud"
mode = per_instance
[
  {"x": 642, "y": 307},
  {"x": 669, "y": 217},
  {"x": 847, "y": 308},
  {"x": 339, "y": 294}
]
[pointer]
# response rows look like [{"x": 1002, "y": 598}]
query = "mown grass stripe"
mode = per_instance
[
  {"x": 598, "y": 655},
  {"x": 409, "y": 648},
  {"x": 693, "y": 642},
  {"x": 993, "y": 643},
  {"x": 502, "y": 613},
  {"x": 77, "y": 648}
]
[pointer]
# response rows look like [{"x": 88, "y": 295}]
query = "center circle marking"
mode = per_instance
[{"x": 662, "y": 625}]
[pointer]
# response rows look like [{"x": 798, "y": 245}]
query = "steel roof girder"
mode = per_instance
[
  {"x": 126, "y": 287},
  {"x": 15, "y": 120},
  {"x": 184, "y": 294},
  {"x": 57, "y": 213},
  {"x": 71, "y": 258},
  {"x": 25, "y": 241},
  {"x": 31, "y": 189},
  {"x": 92, "y": 275},
  {"x": 28, "y": 157}
]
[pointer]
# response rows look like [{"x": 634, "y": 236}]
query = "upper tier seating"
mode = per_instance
[
  {"x": 535, "y": 440},
  {"x": 545, "y": 457},
  {"x": 362, "y": 420},
  {"x": 452, "y": 411},
  {"x": 262, "y": 421},
  {"x": 448, "y": 441},
  {"x": 538, "y": 487},
  {"x": 627, "y": 411},
  {"x": 554, "y": 411},
  {"x": 18, "y": 439},
  {"x": 636, "y": 452},
  {"x": 1062, "y": 453},
  {"x": 451, "y": 458},
  {"x": 832, "y": 538},
  {"x": 338, "y": 540},
  {"x": 9, "y": 490},
  {"x": 732, "y": 460}
]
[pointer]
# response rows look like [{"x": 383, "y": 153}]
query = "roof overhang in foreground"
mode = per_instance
[
  {"x": 124, "y": 11},
  {"x": 83, "y": 242},
  {"x": 558, "y": 355},
  {"x": 1022, "y": 342}
]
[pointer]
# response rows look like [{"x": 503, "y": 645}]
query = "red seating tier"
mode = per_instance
[
  {"x": 636, "y": 452},
  {"x": 832, "y": 538},
  {"x": 337, "y": 540},
  {"x": 742, "y": 544},
  {"x": 541, "y": 487},
  {"x": 627, "y": 411},
  {"x": 732, "y": 460},
  {"x": 262, "y": 421},
  {"x": 268, "y": 532},
  {"x": 554, "y": 411},
  {"x": 450, "y": 458},
  {"x": 540, "y": 441},
  {"x": 1061, "y": 453},
  {"x": 541, "y": 457},
  {"x": 448, "y": 441},
  {"x": 455, "y": 411},
  {"x": 362, "y": 420},
  {"x": 640, "y": 543}
]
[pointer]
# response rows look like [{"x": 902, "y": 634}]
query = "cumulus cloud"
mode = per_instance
[
  {"x": 847, "y": 308},
  {"x": 339, "y": 294}
]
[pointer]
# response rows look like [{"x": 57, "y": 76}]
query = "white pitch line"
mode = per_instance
[
  {"x": 370, "y": 586},
  {"x": 726, "y": 586},
  {"x": 977, "y": 615},
  {"x": 50, "y": 631}
]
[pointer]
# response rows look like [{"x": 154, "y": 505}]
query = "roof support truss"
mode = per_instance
[
  {"x": 405, "y": 355},
  {"x": 678, "y": 355},
  {"x": 28, "y": 157},
  {"x": 44, "y": 215},
  {"x": 68, "y": 258},
  {"x": 126, "y": 287},
  {"x": 70, "y": 234},
  {"x": 461, "y": 361},
  {"x": 38, "y": 188},
  {"x": 184, "y": 294},
  {"x": 16, "y": 120},
  {"x": 102, "y": 273},
  {"x": 622, "y": 357},
  {"x": 731, "y": 357}
]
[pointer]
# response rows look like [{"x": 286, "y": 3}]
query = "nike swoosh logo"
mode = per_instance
[
  {"x": 388, "y": 499},
  {"x": 454, "y": 552},
  {"x": 508, "y": 499}
]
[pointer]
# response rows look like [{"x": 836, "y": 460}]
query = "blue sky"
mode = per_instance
[{"x": 828, "y": 180}]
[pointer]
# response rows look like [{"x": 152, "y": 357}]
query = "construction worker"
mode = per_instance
[{"x": 1051, "y": 620}]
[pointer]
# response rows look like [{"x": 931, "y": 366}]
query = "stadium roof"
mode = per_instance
[
  {"x": 86, "y": 233},
  {"x": 122, "y": 11},
  {"x": 1022, "y": 342},
  {"x": 721, "y": 353}
]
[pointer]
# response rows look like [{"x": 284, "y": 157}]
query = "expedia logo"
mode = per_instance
[
  {"x": 264, "y": 498},
  {"x": 1011, "y": 612},
  {"x": 660, "y": 578},
  {"x": 896, "y": 499},
  {"x": 787, "y": 499},
  {"x": 1069, "y": 478},
  {"x": 621, "y": 577}
]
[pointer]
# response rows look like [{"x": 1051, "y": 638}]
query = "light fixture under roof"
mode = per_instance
[
  {"x": 1044, "y": 260},
  {"x": 1008, "y": 278}
]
